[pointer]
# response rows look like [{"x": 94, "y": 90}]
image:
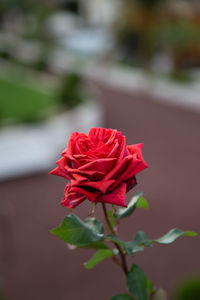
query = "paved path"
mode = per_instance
[{"x": 37, "y": 265}]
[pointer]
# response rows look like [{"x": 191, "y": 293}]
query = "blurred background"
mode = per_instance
[{"x": 68, "y": 65}]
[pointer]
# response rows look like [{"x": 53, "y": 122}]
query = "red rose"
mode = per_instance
[{"x": 99, "y": 166}]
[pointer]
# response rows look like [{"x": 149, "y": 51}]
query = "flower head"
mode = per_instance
[{"x": 100, "y": 167}]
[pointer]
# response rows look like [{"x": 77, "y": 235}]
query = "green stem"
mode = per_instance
[{"x": 122, "y": 255}]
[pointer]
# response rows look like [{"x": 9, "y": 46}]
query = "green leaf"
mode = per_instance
[
  {"x": 98, "y": 257},
  {"x": 174, "y": 234},
  {"x": 136, "y": 201},
  {"x": 95, "y": 225},
  {"x": 114, "y": 239},
  {"x": 137, "y": 283},
  {"x": 142, "y": 239},
  {"x": 95, "y": 245},
  {"x": 130, "y": 247},
  {"x": 76, "y": 232},
  {"x": 121, "y": 297},
  {"x": 160, "y": 295},
  {"x": 142, "y": 203}
]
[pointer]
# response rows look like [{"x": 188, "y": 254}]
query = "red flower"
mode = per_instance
[{"x": 99, "y": 166}]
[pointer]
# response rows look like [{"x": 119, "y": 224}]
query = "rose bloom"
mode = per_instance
[{"x": 100, "y": 167}]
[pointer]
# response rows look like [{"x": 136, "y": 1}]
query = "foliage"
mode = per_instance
[
  {"x": 136, "y": 201},
  {"x": 71, "y": 92},
  {"x": 137, "y": 283},
  {"x": 90, "y": 233},
  {"x": 188, "y": 289},
  {"x": 146, "y": 28},
  {"x": 76, "y": 232},
  {"x": 177, "y": 34},
  {"x": 100, "y": 255},
  {"x": 21, "y": 103}
]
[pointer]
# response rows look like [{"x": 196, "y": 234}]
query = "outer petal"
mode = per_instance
[
  {"x": 130, "y": 184},
  {"x": 116, "y": 197},
  {"x": 79, "y": 178},
  {"x": 136, "y": 148},
  {"x": 136, "y": 151},
  {"x": 134, "y": 167},
  {"x": 119, "y": 168},
  {"x": 71, "y": 199},
  {"x": 90, "y": 195},
  {"x": 129, "y": 167},
  {"x": 61, "y": 169},
  {"x": 72, "y": 160}
]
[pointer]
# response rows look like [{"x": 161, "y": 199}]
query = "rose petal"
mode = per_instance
[
  {"x": 101, "y": 165},
  {"x": 72, "y": 161},
  {"x": 122, "y": 147},
  {"x": 114, "y": 149},
  {"x": 136, "y": 151},
  {"x": 139, "y": 165},
  {"x": 82, "y": 159},
  {"x": 90, "y": 195},
  {"x": 134, "y": 166},
  {"x": 119, "y": 168},
  {"x": 116, "y": 197},
  {"x": 71, "y": 199},
  {"x": 101, "y": 186},
  {"x": 79, "y": 178},
  {"x": 96, "y": 134},
  {"x": 93, "y": 175},
  {"x": 61, "y": 169},
  {"x": 71, "y": 143},
  {"x": 130, "y": 184},
  {"x": 81, "y": 144}
]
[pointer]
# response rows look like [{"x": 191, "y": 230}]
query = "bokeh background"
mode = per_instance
[{"x": 68, "y": 65}]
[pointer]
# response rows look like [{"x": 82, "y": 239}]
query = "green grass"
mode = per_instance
[{"x": 20, "y": 103}]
